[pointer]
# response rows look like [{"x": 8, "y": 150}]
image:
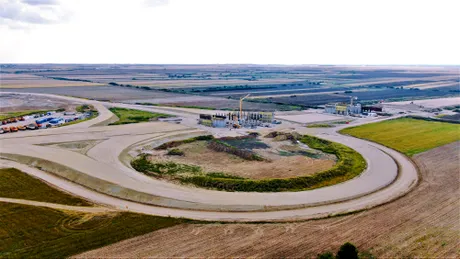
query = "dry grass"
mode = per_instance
[
  {"x": 424, "y": 223},
  {"x": 280, "y": 167}
]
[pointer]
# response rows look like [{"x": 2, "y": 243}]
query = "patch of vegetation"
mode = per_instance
[
  {"x": 177, "y": 143},
  {"x": 221, "y": 146},
  {"x": 249, "y": 142},
  {"x": 350, "y": 164},
  {"x": 299, "y": 152},
  {"x": 320, "y": 126},
  {"x": 128, "y": 116},
  {"x": 346, "y": 251},
  {"x": 9, "y": 115},
  {"x": 85, "y": 108},
  {"x": 341, "y": 122},
  {"x": 19, "y": 185},
  {"x": 408, "y": 135},
  {"x": 175, "y": 152},
  {"x": 36, "y": 232}
]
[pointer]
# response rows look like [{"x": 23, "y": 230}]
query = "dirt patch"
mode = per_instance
[
  {"x": 22, "y": 102},
  {"x": 424, "y": 223},
  {"x": 197, "y": 153}
]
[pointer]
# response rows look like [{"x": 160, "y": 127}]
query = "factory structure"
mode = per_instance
[
  {"x": 237, "y": 119},
  {"x": 350, "y": 109}
]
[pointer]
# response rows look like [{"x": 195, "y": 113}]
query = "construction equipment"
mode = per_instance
[{"x": 241, "y": 105}]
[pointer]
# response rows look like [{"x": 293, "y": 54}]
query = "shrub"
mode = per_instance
[
  {"x": 327, "y": 255},
  {"x": 347, "y": 251},
  {"x": 175, "y": 152}
]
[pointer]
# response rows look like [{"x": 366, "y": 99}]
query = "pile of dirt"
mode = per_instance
[{"x": 283, "y": 136}]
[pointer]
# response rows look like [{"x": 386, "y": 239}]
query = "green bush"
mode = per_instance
[
  {"x": 347, "y": 251},
  {"x": 327, "y": 255},
  {"x": 175, "y": 152}
]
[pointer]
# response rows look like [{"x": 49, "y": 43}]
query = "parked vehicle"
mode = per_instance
[
  {"x": 56, "y": 122},
  {"x": 4, "y": 122},
  {"x": 22, "y": 119},
  {"x": 36, "y": 116},
  {"x": 6, "y": 129},
  {"x": 50, "y": 119},
  {"x": 43, "y": 125},
  {"x": 8, "y": 120},
  {"x": 22, "y": 127},
  {"x": 13, "y": 129},
  {"x": 1, "y": 131},
  {"x": 69, "y": 113},
  {"x": 32, "y": 126},
  {"x": 14, "y": 120},
  {"x": 41, "y": 121}
]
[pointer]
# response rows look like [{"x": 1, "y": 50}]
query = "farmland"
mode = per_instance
[
  {"x": 58, "y": 234},
  {"x": 18, "y": 185},
  {"x": 424, "y": 223},
  {"x": 220, "y": 86},
  {"x": 409, "y": 136}
]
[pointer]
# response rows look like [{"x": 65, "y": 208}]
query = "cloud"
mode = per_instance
[
  {"x": 40, "y": 2},
  {"x": 156, "y": 3},
  {"x": 16, "y": 14}
]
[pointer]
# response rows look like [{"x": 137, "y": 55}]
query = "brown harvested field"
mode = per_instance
[
  {"x": 433, "y": 85},
  {"x": 196, "y": 82},
  {"x": 278, "y": 167},
  {"x": 30, "y": 81},
  {"x": 424, "y": 223}
]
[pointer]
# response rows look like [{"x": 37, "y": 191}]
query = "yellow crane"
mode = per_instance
[{"x": 241, "y": 105}]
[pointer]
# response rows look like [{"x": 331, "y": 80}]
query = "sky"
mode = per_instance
[{"x": 230, "y": 31}]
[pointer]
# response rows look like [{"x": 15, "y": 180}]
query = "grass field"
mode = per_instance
[
  {"x": 409, "y": 136},
  {"x": 18, "y": 185},
  {"x": 35, "y": 232},
  {"x": 128, "y": 116}
]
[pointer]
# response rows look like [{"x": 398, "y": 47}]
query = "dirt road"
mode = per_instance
[{"x": 100, "y": 171}]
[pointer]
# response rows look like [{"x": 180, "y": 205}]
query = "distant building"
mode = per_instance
[{"x": 343, "y": 108}]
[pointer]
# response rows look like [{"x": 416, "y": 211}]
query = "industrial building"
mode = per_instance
[
  {"x": 236, "y": 119},
  {"x": 343, "y": 108}
]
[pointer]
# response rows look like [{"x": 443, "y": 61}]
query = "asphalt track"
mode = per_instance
[{"x": 100, "y": 176}]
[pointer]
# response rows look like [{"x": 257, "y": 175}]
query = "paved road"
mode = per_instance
[{"x": 100, "y": 169}]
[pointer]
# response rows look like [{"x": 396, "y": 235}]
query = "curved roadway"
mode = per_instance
[{"x": 380, "y": 182}]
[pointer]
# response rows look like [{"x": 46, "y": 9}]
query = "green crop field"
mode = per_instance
[
  {"x": 407, "y": 135},
  {"x": 36, "y": 232},
  {"x": 19, "y": 185},
  {"x": 128, "y": 116}
]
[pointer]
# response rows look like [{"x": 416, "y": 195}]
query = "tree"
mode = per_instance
[
  {"x": 327, "y": 255},
  {"x": 347, "y": 251}
]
